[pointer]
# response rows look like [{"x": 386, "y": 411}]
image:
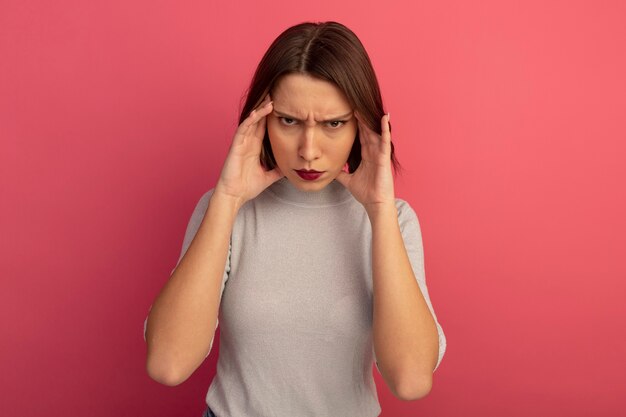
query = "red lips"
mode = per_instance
[{"x": 309, "y": 175}]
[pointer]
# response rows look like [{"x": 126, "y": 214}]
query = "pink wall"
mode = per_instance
[{"x": 509, "y": 117}]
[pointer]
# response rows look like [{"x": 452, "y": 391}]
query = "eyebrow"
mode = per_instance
[{"x": 281, "y": 114}]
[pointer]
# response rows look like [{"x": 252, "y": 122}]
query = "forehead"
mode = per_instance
[{"x": 303, "y": 95}]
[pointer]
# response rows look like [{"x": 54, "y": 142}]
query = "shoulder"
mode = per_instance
[
  {"x": 200, "y": 208},
  {"x": 203, "y": 203},
  {"x": 407, "y": 219},
  {"x": 204, "y": 199},
  {"x": 405, "y": 211}
]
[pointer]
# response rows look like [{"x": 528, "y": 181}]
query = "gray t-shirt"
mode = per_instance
[{"x": 296, "y": 306}]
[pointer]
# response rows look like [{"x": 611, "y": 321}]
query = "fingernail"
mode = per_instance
[{"x": 388, "y": 117}]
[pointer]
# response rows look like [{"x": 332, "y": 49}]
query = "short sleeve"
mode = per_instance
[
  {"x": 192, "y": 228},
  {"x": 412, "y": 236}
]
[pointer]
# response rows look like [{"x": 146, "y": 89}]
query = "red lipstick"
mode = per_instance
[{"x": 309, "y": 175}]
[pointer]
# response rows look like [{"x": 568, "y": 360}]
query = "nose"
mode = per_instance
[{"x": 309, "y": 149}]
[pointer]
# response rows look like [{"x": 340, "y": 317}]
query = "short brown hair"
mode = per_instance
[{"x": 328, "y": 51}]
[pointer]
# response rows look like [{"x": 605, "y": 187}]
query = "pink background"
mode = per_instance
[{"x": 509, "y": 116}]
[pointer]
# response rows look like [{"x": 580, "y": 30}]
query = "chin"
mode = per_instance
[{"x": 304, "y": 185}]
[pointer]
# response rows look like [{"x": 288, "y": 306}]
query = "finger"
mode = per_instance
[
  {"x": 260, "y": 127},
  {"x": 263, "y": 102},
  {"x": 250, "y": 123},
  {"x": 266, "y": 110},
  {"x": 263, "y": 109},
  {"x": 385, "y": 128},
  {"x": 257, "y": 114}
]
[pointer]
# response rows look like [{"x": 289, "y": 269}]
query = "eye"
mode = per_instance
[
  {"x": 287, "y": 121},
  {"x": 335, "y": 124}
]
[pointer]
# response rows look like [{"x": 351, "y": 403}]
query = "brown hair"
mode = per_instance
[{"x": 328, "y": 51}]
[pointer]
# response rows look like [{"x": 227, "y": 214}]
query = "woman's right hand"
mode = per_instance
[{"x": 243, "y": 177}]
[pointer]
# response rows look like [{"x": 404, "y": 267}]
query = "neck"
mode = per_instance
[{"x": 331, "y": 195}]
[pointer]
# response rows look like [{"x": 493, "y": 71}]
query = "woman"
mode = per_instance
[{"x": 314, "y": 267}]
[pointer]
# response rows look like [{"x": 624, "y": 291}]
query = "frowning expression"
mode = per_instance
[{"x": 311, "y": 127}]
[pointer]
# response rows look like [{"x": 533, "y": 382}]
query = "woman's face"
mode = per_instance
[{"x": 312, "y": 127}]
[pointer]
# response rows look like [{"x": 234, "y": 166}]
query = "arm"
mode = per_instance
[
  {"x": 406, "y": 340},
  {"x": 183, "y": 318}
]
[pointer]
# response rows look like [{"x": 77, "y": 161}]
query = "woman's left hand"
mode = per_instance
[{"x": 372, "y": 182}]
